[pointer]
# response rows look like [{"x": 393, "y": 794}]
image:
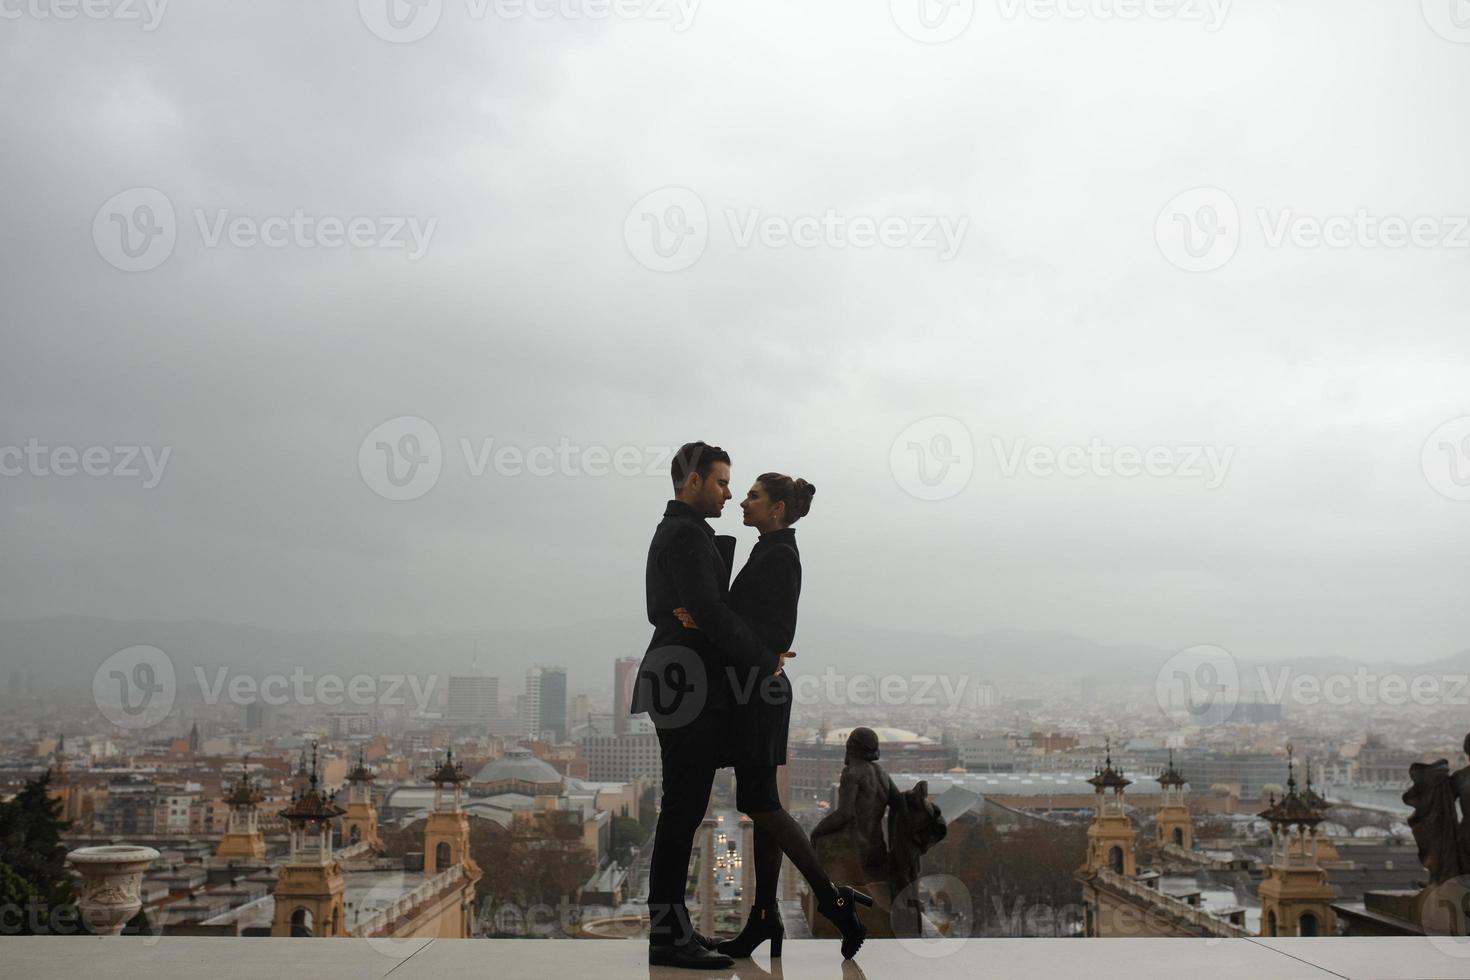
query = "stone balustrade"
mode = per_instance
[
  {"x": 1194, "y": 915},
  {"x": 407, "y": 905}
]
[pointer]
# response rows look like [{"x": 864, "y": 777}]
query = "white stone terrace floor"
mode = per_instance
[{"x": 184, "y": 958}]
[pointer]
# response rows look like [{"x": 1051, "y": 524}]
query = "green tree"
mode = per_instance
[
  {"x": 626, "y": 834},
  {"x": 33, "y": 873}
]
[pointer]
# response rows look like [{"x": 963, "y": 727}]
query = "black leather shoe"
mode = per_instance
[
  {"x": 708, "y": 942},
  {"x": 842, "y": 912},
  {"x": 688, "y": 956},
  {"x": 763, "y": 924}
]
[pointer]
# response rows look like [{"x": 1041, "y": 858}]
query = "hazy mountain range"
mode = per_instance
[{"x": 66, "y": 651}]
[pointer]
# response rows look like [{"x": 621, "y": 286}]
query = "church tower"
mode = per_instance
[
  {"x": 62, "y": 790},
  {"x": 242, "y": 840},
  {"x": 301, "y": 781},
  {"x": 309, "y": 892},
  {"x": 1296, "y": 899},
  {"x": 447, "y": 831},
  {"x": 1110, "y": 836},
  {"x": 361, "y": 820},
  {"x": 1173, "y": 826}
]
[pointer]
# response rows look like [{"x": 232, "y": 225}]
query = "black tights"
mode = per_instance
[{"x": 777, "y": 833}]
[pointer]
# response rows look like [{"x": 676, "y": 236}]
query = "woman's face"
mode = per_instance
[{"x": 758, "y": 509}]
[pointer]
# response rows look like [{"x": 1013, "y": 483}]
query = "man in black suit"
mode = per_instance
[{"x": 683, "y": 683}]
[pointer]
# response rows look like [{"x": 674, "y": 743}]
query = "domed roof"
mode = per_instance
[
  {"x": 519, "y": 765},
  {"x": 886, "y": 736}
]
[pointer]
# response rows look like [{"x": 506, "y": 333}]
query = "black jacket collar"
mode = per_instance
[
  {"x": 785, "y": 535},
  {"x": 677, "y": 508}
]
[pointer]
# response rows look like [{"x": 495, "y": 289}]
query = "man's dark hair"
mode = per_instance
[{"x": 696, "y": 457}]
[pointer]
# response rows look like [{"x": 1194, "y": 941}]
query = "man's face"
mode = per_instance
[{"x": 712, "y": 491}]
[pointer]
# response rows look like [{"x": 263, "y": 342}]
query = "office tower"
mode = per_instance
[
  {"x": 546, "y": 703},
  {"x": 474, "y": 699}
]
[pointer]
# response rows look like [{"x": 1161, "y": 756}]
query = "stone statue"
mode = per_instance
[
  {"x": 850, "y": 841},
  {"x": 1441, "y": 817}
]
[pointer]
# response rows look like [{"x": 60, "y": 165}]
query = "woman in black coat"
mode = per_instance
[{"x": 765, "y": 595}]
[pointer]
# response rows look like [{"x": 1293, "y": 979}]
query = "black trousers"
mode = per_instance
[{"x": 689, "y": 762}]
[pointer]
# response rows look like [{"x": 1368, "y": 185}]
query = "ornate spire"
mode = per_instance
[
  {"x": 312, "y": 805},
  {"x": 1108, "y": 777},
  {"x": 449, "y": 771},
  {"x": 246, "y": 792},
  {"x": 1171, "y": 776},
  {"x": 360, "y": 773},
  {"x": 1295, "y": 809}
]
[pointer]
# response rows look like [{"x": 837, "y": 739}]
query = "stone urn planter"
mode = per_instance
[{"x": 110, "y": 891}]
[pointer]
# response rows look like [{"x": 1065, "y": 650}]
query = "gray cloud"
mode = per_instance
[{"x": 529, "y": 319}]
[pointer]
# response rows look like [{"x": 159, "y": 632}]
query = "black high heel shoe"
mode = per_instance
[
  {"x": 842, "y": 912},
  {"x": 762, "y": 924}
]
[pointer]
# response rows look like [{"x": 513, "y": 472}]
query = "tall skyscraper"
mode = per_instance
[
  {"x": 546, "y": 703},
  {"x": 625, "y": 674}
]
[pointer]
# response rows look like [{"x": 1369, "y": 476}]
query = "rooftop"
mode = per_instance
[{"x": 1389, "y": 958}]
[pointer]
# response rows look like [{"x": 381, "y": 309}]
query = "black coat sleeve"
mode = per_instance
[
  {"x": 765, "y": 596},
  {"x": 687, "y": 563}
]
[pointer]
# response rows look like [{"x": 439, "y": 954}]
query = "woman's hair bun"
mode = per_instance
[{"x": 795, "y": 494}]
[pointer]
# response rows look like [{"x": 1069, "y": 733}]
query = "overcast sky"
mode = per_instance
[{"x": 608, "y": 254}]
